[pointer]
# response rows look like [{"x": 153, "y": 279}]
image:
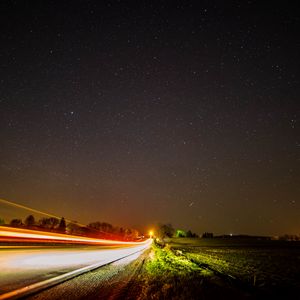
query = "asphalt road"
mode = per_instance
[
  {"x": 116, "y": 281},
  {"x": 25, "y": 266}
]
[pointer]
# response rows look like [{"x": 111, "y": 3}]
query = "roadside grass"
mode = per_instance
[
  {"x": 254, "y": 266},
  {"x": 164, "y": 261},
  {"x": 220, "y": 269},
  {"x": 169, "y": 274}
]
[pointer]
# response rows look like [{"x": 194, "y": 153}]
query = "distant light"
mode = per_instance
[
  {"x": 151, "y": 234},
  {"x": 230, "y": 234},
  {"x": 9, "y": 233}
]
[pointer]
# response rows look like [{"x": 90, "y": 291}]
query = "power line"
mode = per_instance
[{"x": 51, "y": 215}]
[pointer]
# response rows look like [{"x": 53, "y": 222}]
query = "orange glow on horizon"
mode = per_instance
[{"x": 11, "y": 233}]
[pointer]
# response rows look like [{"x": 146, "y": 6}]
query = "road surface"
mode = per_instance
[
  {"x": 117, "y": 281},
  {"x": 23, "y": 266}
]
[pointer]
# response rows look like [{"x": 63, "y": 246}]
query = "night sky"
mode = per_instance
[{"x": 182, "y": 112}]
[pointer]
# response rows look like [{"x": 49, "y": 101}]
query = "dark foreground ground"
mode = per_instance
[{"x": 194, "y": 269}]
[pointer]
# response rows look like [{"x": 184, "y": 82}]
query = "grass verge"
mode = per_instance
[{"x": 169, "y": 274}]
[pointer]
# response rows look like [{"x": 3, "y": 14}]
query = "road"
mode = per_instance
[
  {"x": 23, "y": 266},
  {"x": 121, "y": 280}
]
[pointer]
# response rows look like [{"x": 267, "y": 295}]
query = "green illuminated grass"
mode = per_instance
[
  {"x": 219, "y": 269},
  {"x": 169, "y": 274},
  {"x": 166, "y": 262}
]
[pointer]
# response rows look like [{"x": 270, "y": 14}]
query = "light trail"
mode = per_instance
[
  {"x": 17, "y": 234},
  {"x": 26, "y": 271},
  {"x": 40, "y": 267},
  {"x": 10, "y": 203}
]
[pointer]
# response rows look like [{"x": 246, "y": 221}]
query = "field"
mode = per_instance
[
  {"x": 221, "y": 269},
  {"x": 189, "y": 269}
]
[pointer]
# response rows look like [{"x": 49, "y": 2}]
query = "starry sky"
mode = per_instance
[{"x": 136, "y": 113}]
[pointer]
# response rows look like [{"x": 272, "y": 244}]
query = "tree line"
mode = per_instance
[
  {"x": 94, "y": 229},
  {"x": 167, "y": 231},
  {"x": 48, "y": 224}
]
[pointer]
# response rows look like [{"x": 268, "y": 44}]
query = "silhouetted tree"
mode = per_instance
[
  {"x": 49, "y": 223},
  {"x": 44, "y": 222},
  {"x": 53, "y": 222},
  {"x": 62, "y": 225},
  {"x": 30, "y": 221},
  {"x": 74, "y": 228},
  {"x": 106, "y": 230},
  {"x": 102, "y": 227},
  {"x": 106, "y": 227},
  {"x": 95, "y": 225},
  {"x": 16, "y": 222},
  {"x": 165, "y": 230},
  {"x": 189, "y": 234}
]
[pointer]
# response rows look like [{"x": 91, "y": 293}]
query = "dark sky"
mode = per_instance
[{"x": 183, "y": 112}]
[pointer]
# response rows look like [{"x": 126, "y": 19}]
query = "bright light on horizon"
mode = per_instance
[{"x": 15, "y": 233}]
